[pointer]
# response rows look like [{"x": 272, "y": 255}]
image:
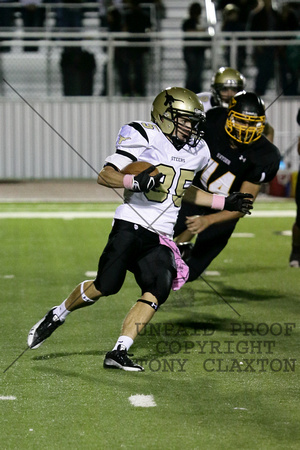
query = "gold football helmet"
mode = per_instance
[
  {"x": 224, "y": 79},
  {"x": 246, "y": 117},
  {"x": 179, "y": 103}
]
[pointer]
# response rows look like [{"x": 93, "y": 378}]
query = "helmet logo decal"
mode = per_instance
[
  {"x": 170, "y": 99},
  {"x": 233, "y": 102}
]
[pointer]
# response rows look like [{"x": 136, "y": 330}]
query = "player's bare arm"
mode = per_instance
[
  {"x": 236, "y": 201},
  {"x": 110, "y": 177},
  {"x": 196, "y": 224}
]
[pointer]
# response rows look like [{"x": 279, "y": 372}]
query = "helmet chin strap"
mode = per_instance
[{"x": 178, "y": 143}]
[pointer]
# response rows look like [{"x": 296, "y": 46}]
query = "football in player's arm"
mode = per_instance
[
  {"x": 242, "y": 158},
  {"x": 141, "y": 237}
]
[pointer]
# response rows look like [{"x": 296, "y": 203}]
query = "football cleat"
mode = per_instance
[
  {"x": 43, "y": 329},
  {"x": 295, "y": 258},
  {"x": 185, "y": 249},
  {"x": 118, "y": 359}
]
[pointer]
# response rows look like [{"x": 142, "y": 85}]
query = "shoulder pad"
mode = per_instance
[
  {"x": 138, "y": 127},
  {"x": 203, "y": 97}
]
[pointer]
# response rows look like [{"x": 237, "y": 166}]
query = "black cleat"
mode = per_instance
[
  {"x": 295, "y": 259},
  {"x": 185, "y": 249},
  {"x": 118, "y": 359},
  {"x": 43, "y": 329}
]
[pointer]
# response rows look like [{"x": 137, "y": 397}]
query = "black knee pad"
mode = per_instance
[{"x": 151, "y": 304}]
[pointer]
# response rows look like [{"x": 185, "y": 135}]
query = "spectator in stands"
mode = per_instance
[
  {"x": 33, "y": 16},
  {"x": 289, "y": 55},
  {"x": 245, "y": 7},
  {"x": 295, "y": 254},
  {"x": 264, "y": 18},
  {"x": 114, "y": 22},
  {"x": 231, "y": 22},
  {"x": 135, "y": 57},
  {"x": 193, "y": 55},
  {"x": 160, "y": 12},
  {"x": 69, "y": 16},
  {"x": 77, "y": 65},
  {"x": 104, "y": 6},
  {"x": 6, "y": 20},
  {"x": 78, "y": 68}
]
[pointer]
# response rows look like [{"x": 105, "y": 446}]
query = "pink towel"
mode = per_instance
[{"x": 182, "y": 268}]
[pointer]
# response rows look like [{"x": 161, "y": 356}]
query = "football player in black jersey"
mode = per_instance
[
  {"x": 225, "y": 83},
  {"x": 242, "y": 158}
]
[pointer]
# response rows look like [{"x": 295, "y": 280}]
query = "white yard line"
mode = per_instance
[
  {"x": 91, "y": 273},
  {"x": 144, "y": 401},
  {"x": 7, "y": 397},
  {"x": 68, "y": 215},
  {"x": 286, "y": 213},
  {"x": 58, "y": 215},
  {"x": 212, "y": 273}
]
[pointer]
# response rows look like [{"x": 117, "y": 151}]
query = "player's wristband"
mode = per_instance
[
  {"x": 218, "y": 202},
  {"x": 128, "y": 181}
]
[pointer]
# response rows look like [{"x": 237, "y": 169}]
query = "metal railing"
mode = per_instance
[{"x": 164, "y": 63}]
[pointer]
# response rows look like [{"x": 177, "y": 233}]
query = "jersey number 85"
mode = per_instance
[{"x": 170, "y": 186}]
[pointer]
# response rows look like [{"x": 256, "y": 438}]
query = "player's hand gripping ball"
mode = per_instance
[{"x": 141, "y": 176}]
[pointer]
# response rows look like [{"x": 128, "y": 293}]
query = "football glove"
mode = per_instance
[
  {"x": 143, "y": 182},
  {"x": 237, "y": 201}
]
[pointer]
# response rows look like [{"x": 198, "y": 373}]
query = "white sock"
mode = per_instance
[
  {"x": 124, "y": 340},
  {"x": 61, "y": 311}
]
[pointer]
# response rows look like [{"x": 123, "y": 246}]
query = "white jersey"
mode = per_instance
[
  {"x": 156, "y": 210},
  {"x": 206, "y": 100}
]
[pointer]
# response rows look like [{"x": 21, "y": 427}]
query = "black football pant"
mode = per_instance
[{"x": 134, "y": 248}]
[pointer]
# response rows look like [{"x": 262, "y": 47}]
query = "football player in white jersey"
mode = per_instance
[
  {"x": 225, "y": 83},
  {"x": 141, "y": 237}
]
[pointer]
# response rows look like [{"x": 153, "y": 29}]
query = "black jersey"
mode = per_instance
[{"x": 228, "y": 168}]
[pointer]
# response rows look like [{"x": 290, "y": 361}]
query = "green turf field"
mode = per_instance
[{"x": 221, "y": 373}]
